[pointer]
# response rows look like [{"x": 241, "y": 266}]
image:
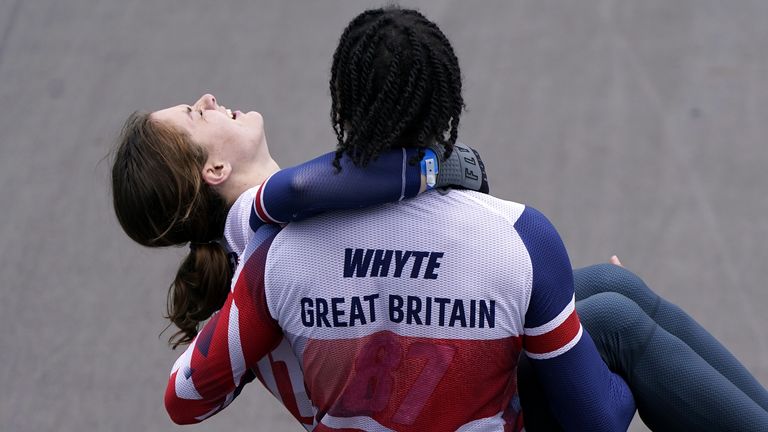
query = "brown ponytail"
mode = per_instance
[
  {"x": 196, "y": 292},
  {"x": 160, "y": 199}
]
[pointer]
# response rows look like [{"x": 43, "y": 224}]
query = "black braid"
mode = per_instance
[
  {"x": 395, "y": 82},
  {"x": 342, "y": 52}
]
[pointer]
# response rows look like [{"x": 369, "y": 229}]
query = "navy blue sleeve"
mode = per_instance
[
  {"x": 313, "y": 187},
  {"x": 583, "y": 393}
]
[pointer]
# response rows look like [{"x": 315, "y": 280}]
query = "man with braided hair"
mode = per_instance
[{"x": 396, "y": 82}]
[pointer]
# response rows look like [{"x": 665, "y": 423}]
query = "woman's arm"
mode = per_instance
[
  {"x": 315, "y": 186},
  {"x": 218, "y": 363}
]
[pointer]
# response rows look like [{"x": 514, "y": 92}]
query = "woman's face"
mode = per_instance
[{"x": 230, "y": 136}]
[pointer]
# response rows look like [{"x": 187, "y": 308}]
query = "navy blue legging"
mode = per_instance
[{"x": 681, "y": 377}]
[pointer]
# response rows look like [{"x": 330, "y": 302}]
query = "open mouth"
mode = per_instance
[{"x": 231, "y": 114}]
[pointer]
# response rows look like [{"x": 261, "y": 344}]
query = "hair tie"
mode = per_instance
[{"x": 193, "y": 245}]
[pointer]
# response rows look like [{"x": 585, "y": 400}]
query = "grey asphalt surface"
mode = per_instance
[{"x": 637, "y": 127}]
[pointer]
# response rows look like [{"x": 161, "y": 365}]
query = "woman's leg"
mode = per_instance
[
  {"x": 674, "y": 388},
  {"x": 610, "y": 278}
]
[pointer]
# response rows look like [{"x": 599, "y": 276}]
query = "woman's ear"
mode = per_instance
[{"x": 216, "y": 173}]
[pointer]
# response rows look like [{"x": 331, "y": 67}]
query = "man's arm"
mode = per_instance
[
  {"x": 583, "y": 393},
  {"x": 218, "y": 362}
]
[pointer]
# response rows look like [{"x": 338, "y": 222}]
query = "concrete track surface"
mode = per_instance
[{"x": 637, "y": 127}]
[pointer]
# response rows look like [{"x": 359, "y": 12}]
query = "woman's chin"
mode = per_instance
[{"x": 252, "y": 116}]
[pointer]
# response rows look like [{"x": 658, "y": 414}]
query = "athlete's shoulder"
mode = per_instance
[
  {"x": 531, "y": 224},
  {"x": 535, "y": 226},
  {"x": 476, "y": 202},
  {"x": 238, "y": 230}
]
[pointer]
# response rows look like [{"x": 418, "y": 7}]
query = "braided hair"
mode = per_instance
[{"x": 395, "y": 81}]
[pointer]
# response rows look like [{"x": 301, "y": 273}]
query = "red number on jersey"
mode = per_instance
[{"x": 370, "y": 388}]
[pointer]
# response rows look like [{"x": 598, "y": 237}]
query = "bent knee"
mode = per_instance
[
  {"x": 618, "y": 326},
  {"x": 605, "y": 278},
  {"x": 610, "y": 312}
]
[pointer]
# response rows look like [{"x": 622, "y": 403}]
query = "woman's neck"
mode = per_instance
[{"x": 245, "y": 179}]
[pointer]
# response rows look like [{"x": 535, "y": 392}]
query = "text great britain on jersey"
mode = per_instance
[{"x": 415, "y": 310}]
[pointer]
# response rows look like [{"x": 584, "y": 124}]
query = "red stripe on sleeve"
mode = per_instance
[
  {"x": 259, "y": 209},
  {"x": 554, "y": 339}
]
